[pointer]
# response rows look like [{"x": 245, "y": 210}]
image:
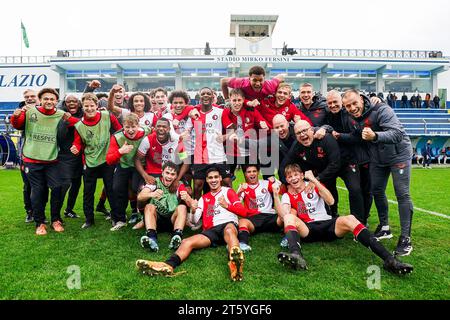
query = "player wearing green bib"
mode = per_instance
[
  {"x": 121, "y": 152},
  {"x": 40, "y": 153},
  {"x": 166, "y": 209},
  {"x": 92, "y": 135}
]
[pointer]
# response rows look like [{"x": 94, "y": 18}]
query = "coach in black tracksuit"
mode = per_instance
[
  {"x": 285, "y": 137},
  {"x": 390, "y": 154},
  {"x": 314, "y": 106},
  {"x": 321, "y": 156},
  {"x": 72, "y": 168},
  {"x": 355, "y": 158}
]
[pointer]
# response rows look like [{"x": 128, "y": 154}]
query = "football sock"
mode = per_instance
[
  {"x": 151, "y": 233},
  {"x": 367, "y": 239},
  {"x": 293, "y": 239},
  {"x": 174, "y": 261},
  {"x": 243, "y": 235}
]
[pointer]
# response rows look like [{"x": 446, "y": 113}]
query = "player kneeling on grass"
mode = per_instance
[
  {"x": 257, "y": 195},
  {"x": 218, "y": 209},
  {"x": 166, "y": 209},
  {"x": 311, "y": 222}
]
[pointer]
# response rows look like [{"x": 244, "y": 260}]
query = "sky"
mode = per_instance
[{"x": 381, "y": 24}]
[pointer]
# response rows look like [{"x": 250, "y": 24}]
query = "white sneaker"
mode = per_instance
[{"x": 118, "y": 225}]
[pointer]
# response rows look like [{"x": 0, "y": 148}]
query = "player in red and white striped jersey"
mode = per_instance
[
  {"x": 304, "y": 215},
  {"x": 218, "y": 208},
  {"x": 138, "y": 103},
  {"x": 207, "y": 134},
  {"x": 257, "y": 195},
  {"x": 241, "y": 123}
]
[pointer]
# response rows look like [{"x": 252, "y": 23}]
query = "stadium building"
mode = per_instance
[{"x": 140, "y": 69}]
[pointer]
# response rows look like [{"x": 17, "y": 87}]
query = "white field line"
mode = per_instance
[{"x": 415, "y": 208}]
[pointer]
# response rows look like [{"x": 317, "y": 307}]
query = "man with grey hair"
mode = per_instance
[
  {"x": 390, "y": 154},
  {"x": 30, "y": 100},
  {"x": 322, "y": 156}
]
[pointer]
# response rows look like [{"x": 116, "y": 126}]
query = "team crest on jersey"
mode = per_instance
[
  {"x": 264, "y": 191},
  {"x": 147, "y": 122},
  {"x": 310, "y": 195},
  {"x": 215, "y": 117},
  {"x": 247, "y": 120},
  {"x": 170, "y": 150},
  {"x": 90, "y": 134},
  {"x": 34, "y": 118},
  {"x": 153, "y": 148},
  {"x": 320, "y": 153}
]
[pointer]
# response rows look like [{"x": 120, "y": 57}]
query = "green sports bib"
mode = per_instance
[
  {"x": 40, "y": 135},
  {"x": 127, "y": 160},
  {"x": 95, "y": 140}
]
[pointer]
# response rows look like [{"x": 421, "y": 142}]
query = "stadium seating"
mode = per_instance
[{"x": 425, "y": 122}]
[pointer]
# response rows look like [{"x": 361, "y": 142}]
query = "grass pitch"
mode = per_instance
[{"x": 41, "y": 267}]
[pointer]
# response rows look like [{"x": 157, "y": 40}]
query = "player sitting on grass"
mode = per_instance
[
  {"x": 257, "y": 194},
  {"x": 218, "y": 209},
  {"x": 311, "y": 222},
  {"x": 166, "y": 209}
]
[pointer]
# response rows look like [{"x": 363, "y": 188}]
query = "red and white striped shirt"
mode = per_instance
[
  {"x": 212, "y": 213},
  {"x": 147, "y": 120},
  {"x": 156, "y": 153},
  {"x": 204, "y": 133},
  {"x": 259, "y": 196},
  {"x": 309, "y": 206}
]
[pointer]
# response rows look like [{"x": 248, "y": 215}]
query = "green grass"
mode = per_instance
[{"x": 36, "y": 267}]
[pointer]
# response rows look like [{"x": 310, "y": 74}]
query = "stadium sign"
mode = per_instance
[
  {"x": 252, "y": 59},
  {"x": 14, "y": 81}
]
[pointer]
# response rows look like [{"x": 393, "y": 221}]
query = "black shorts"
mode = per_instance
[
  {"x": 199, "y": 170},
  {"x": 216, "y": 234},
  {"x": 321, "y": 231},
  {"x": 265, "y": 222},
  {"x": 70, "y": 168},
  {"x": 164, "y": 223}
]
